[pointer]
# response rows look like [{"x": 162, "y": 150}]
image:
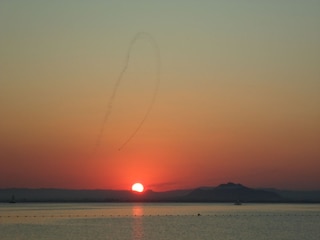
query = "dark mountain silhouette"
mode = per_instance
[{"x": 229, "y": 192}]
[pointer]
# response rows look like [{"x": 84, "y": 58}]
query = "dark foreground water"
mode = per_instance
[{"x": 159, "y": 221}]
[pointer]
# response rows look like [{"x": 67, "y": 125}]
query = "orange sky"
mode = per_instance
[{"x": 238, "y": 98}]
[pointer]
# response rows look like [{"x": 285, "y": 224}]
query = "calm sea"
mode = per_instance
[{"x": 159, "y": 221}]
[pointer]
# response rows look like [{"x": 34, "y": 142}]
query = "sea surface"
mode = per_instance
[{"x": 137, "y": 221}]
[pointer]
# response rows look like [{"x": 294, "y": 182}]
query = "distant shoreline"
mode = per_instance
[{"x": 224, "y": 193}]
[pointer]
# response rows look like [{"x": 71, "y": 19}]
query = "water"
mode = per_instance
[{"x": 149, "y": 221}]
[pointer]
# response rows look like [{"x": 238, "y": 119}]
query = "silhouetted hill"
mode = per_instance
[{"x": 229, "y": 192}]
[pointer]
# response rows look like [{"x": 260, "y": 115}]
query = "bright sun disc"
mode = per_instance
[{"x": 137, "y": 187}]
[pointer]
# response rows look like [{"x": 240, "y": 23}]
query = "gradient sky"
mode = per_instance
[{"x": 239, "y": 98}]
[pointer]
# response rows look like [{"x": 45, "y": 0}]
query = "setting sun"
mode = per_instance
[{"x": 137, "y": 187}]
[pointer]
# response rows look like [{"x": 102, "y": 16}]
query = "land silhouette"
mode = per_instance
[{"x": 228, "y": 192}]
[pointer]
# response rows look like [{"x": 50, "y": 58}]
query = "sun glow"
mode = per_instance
[{"x": 137, "y": 187}]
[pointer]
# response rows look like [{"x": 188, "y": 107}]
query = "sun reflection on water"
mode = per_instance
[{"x": 137, "y": 222}]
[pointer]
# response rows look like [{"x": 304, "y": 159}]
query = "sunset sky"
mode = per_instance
[{"x": 238, "y": 100}]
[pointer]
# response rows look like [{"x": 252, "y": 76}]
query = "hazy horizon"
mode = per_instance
[
  {"x": 148, "y": 189},
  {"x": 212, "y": 92}
]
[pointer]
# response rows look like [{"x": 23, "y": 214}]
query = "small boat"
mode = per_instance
[{"x": 237, "y": 203}]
